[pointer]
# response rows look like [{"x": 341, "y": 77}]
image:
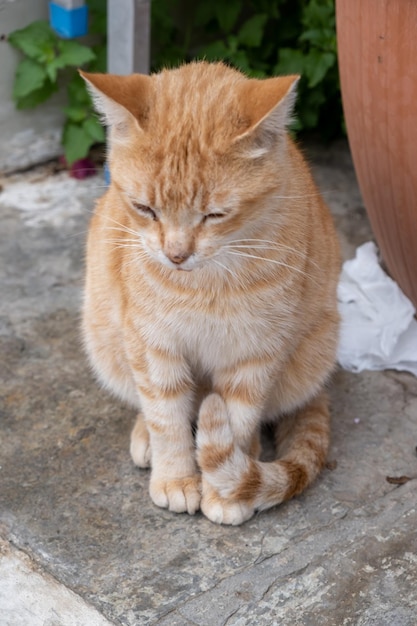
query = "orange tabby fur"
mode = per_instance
[{"x": 206, "y": 180}]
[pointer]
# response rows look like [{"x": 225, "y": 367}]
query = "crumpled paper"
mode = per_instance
[{"x": 378, "y": 329}]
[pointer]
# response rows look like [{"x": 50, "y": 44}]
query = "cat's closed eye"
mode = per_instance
[
  {"x": 144, "y": 210},
  {"x": 214, "y": 216}
]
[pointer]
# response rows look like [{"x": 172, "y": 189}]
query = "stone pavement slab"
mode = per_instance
[
  {"x": 75, "y": 516},
  {"x": 30, "y": 596}
]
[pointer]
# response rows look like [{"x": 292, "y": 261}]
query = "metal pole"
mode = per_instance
[{"x": 128, "y": 29}]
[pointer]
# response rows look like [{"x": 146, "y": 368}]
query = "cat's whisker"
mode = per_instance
[
  {"x": 249, "y": 239},
  {"x": 134, "y": 258},
  {"x": 298, "y": 196},
  {"x": 256, "y": 243},
  {"x": 119, "y": 230},
  {"x": 255, "y": 247},
  {"x": 78, "y": 234},
  {"x": 250, "y": 245},
  {"x": 261, "y": 258},
  {"x": 275, "y": 261},
  {"x": 83, "y": 232},
  {"x": 231, "y": 272},
  {"x": 135, "y": 254},
  {"x": 120, "y": 246},
  {"x": 123, "y": 246},
  {"x": 274, "y": 246},
  {"x": 122, "y": 229},
  {"x": 122, "y": 226},
  {"x": 122, "y": 243},
  {"x": 122, "y": 240}
]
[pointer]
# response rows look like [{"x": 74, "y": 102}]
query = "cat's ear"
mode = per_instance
[
  {"x": 267, "y": 107},
  {"x": 122, "y": 101}
]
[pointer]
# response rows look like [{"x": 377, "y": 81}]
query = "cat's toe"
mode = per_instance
[
  {"x": 180, "y": 495},
  {"x": 140, "y": 447},
  {"x": 222, "y": 511}
]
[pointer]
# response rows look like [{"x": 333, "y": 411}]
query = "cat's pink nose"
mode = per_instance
[{"x": 179, "y": 257}]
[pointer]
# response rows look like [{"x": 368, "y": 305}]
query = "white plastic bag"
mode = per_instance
[{"x": 378, "y": 329}]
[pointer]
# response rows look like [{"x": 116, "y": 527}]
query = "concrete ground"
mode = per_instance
[{"x": 81, "y": 542}]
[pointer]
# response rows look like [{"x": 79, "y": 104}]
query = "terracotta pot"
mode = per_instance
[{"x": 377, "y": 42}]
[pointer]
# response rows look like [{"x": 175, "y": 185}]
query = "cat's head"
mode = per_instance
[{"x": 195, "y": 153}]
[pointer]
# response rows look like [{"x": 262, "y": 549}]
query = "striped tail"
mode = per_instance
[{"x": 244, "y": 483}]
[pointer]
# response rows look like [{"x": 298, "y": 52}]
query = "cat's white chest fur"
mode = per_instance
[{"x": 211, "y": 341}]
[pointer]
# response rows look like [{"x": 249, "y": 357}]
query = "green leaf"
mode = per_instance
[
  {"x": 319, "y": 13},
  {"x": 241, "y": 61},
  {"x": 232, "y": 44},
  {"x": 37, "y": 40},
  {"x": 215, "y": 51},
  {"x": 309, "y": 105},
  {"x": 70, "y": 53},
  {"x": 204, "y": 13},
  {"x": 252, "y": 31},
  {"x": 290, "y": 62},
  {"x": 52, "y": 70},
  {"x": 320, "y": 37},
  {"x": 316, "y": 66},
  {"x": 30, "y": 76},
  {"x": 77, "y": 142},
  {"x": 73, "y": 53},
  {"x": 38, "y": 96},
  {"x": 227, "y": 14},
  {"x": 93, "y": 127},
  {"x": 98, "y": 17},
  {"x": 77, "y": 92},
  {"x": 76, "y": 114},
  {"x": 99, "y": 64}
]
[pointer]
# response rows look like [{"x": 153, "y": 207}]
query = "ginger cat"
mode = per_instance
[{"x": 210, "y": 294}]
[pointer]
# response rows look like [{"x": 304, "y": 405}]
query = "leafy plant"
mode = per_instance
[
  {"x": 262, "y": 38},
  {"x": 50, "y": 63},
  {"x": 315, "y": 58}
]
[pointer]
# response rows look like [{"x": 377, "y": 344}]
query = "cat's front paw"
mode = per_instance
[
  {"x": 140, "y": 446},
  {"x": 180, "y": 495},
  {"x": 222, "y": 511}
]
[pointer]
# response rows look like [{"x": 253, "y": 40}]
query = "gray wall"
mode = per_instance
[{"x": 30, "y": 136}]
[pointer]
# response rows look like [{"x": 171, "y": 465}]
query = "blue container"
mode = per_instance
[{"x": 68, "y": 23}]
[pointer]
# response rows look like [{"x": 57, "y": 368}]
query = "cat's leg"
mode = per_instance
[
  {"x": 140, "y": 445},
  {"x": 175, "y": 481},
  {"x": 165, "y": 388}
]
